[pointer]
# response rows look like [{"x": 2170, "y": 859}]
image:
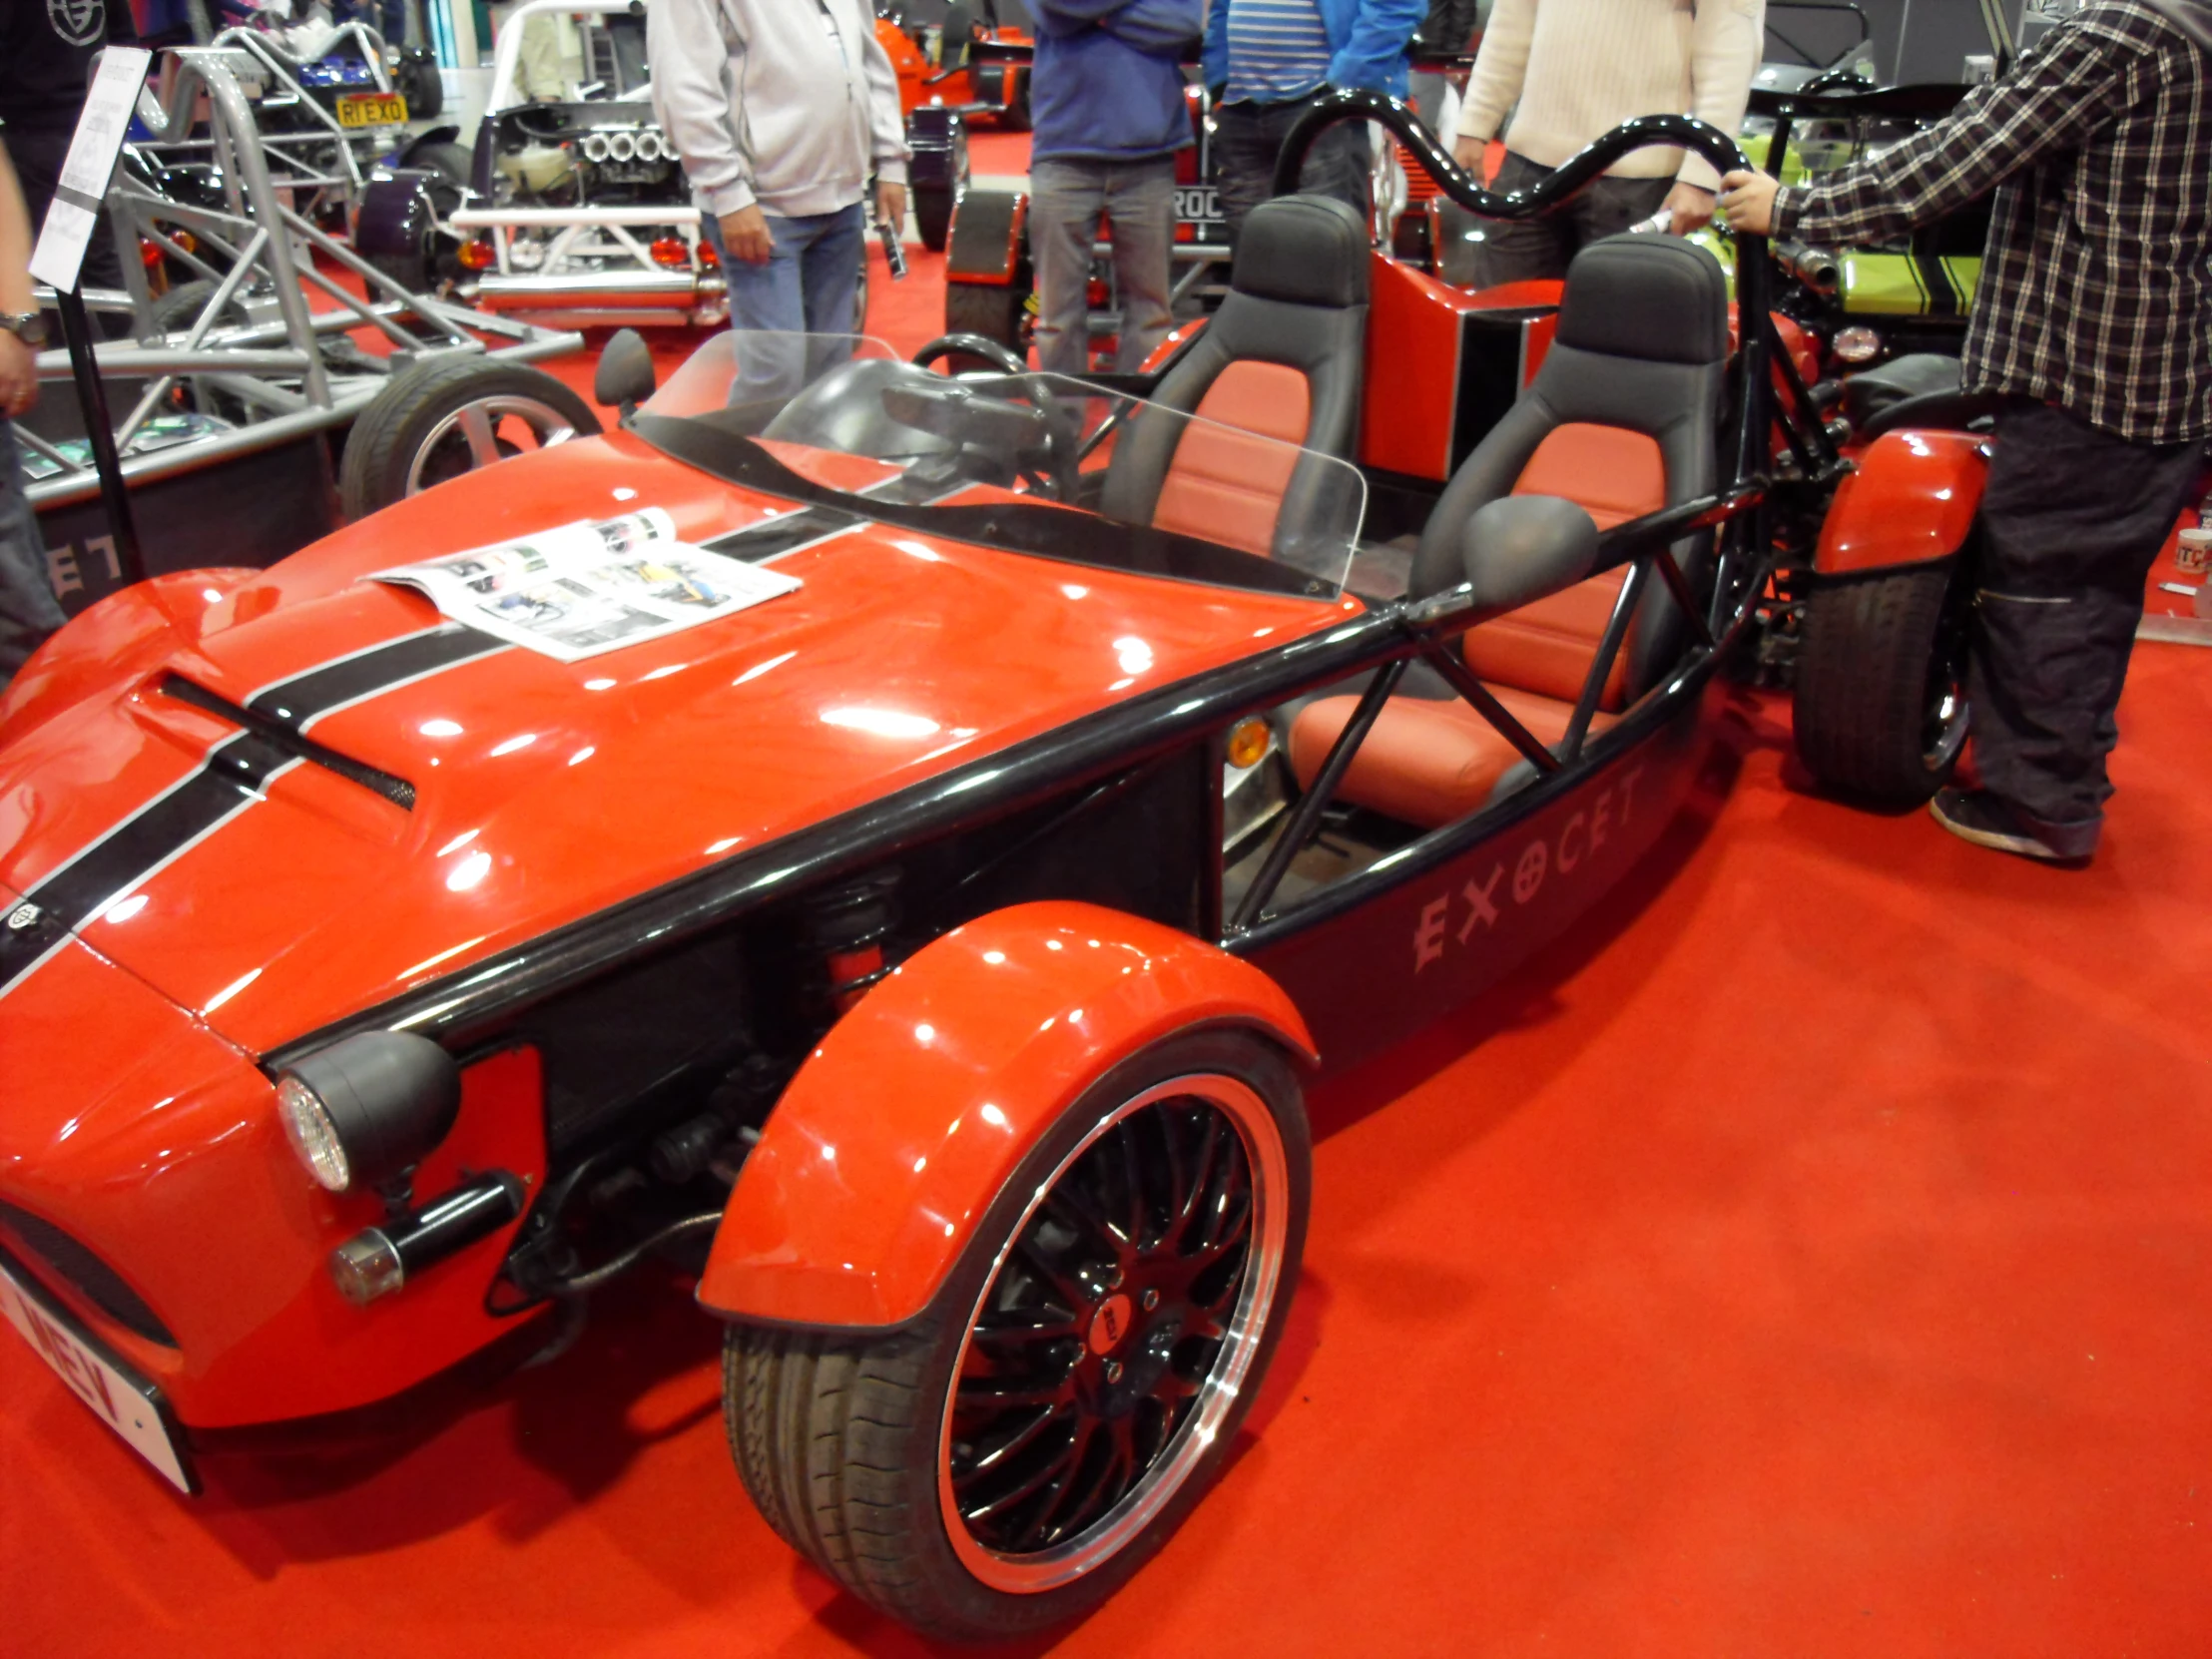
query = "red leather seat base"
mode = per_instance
[{"x": 1427, "y": 761}]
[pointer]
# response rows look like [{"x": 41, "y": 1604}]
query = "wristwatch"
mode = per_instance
[{"x": 27, "y": 326}]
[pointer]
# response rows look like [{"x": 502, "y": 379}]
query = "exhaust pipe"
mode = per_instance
[{"x": 1815, "y": 268}]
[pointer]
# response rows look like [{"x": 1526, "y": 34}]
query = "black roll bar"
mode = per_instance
[{"x": 1753, "y": 366}]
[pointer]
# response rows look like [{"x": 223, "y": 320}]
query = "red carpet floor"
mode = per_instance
[{"x": 1811, "y": 1256}]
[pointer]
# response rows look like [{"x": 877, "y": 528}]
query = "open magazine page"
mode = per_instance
[{"x": 578, "y": 589}]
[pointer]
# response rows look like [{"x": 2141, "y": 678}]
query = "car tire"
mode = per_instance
[
  {"x": 178, "y": 309},
  {"x": 451, "y": 162},
  {"x": 417, "y": 432},
  {"x": 933, "y": 217},
  {"x": 417, "y": 80},
  {"x": 857, "y": 1449},
  {"x": 998, "y": 312},
  {"x": 1014, "y": 117},
  {"x": 1879, "y": 708}
]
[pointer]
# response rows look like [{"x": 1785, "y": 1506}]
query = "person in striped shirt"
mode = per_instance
[
  {"x": 2093, "y": 327},
  {"x": 1267, "y": 60}
]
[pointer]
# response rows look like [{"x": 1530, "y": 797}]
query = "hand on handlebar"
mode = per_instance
[
  {"x": 1469, "y": 153},
  {"x": 1688, "y": 207},
  {"x": 1747, "y": 201}
]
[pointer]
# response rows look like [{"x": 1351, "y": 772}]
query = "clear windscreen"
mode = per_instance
[{"x": 1163, "y": 491}]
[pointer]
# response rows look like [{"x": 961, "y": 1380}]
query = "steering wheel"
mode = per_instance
[
  {"x": 1037, "y": 435},
  {"x": 991, "y": 352}
]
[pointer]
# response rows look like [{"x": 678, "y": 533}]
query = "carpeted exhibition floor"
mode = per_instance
[{"x": 1811, "y": 1256}]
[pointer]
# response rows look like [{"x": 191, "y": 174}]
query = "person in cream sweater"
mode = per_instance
[{"x": 1570, "y": 70}]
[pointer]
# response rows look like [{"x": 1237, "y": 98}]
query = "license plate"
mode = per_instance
[
  {"x": 1198, "y": 204},
  {"x": 371, "y": 109},
  {"x": 130, "y": 1407}
]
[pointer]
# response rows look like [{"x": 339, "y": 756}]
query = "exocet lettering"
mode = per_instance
[{"x": 1582, "y": 836}]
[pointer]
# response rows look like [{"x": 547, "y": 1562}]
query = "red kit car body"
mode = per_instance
[{"x": 929, "y": 953}]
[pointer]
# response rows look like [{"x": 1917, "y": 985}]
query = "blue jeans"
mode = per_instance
[
  {"x": 809, "y": 286},
  {"x": 1067, "y": 194},
  {"x": 28, "y": 609}
]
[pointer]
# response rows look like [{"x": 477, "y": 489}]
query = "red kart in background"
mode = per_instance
[
  {"x": 969, "y": 67},
  {"x": 894, "y": 842}
]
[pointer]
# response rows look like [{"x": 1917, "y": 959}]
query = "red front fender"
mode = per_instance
[
  {"x": 899, "y": 1130},
  {"x": 1912, "y": 498}
]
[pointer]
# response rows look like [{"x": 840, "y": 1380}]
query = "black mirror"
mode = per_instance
[{"x": 625, "y": 374}]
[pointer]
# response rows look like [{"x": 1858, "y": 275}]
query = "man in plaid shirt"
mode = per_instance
[{"x": 2094, "y": 323}]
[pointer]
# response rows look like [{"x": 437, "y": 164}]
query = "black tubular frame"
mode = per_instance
[{"x": 470, "y": 1003}]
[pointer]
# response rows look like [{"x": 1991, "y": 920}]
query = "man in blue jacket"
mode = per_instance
[
  {"x": 1106, "y": 107},
  {"x": 1267, "y": 60}
]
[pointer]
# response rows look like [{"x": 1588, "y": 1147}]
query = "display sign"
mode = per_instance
[{"x": 90, "y": 163}]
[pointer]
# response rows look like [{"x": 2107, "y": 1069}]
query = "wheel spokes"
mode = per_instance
[{"x": 1093, "y": 1346}]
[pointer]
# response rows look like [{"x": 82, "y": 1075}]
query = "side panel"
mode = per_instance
[
  {"x": 904, "y": 1123},
  {"x": 253, "y": 509},
  {"x": 1912, "y": 498},
  {"x": 1376, "y": 972},
  {"x": 1443, "y": 365}
]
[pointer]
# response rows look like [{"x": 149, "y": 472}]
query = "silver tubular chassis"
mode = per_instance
[{"x": 277, "y": 365}]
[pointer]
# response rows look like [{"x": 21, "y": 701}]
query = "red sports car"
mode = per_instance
[{"x": 896, "y": 842}]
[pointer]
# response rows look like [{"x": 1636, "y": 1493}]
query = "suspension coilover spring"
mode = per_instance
[{"x": 847, "y": 924}]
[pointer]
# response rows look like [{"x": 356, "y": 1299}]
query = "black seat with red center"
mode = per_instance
[
  {"x": 1281, "y": 360},
  {"x": 1622, "y": 419}
]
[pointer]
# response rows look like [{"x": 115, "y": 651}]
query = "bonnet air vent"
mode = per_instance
[{"x": 285, "y": 737}]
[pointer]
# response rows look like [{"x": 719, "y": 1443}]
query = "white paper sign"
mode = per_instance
[
  {"x": 89, "y": 165},
  {"x": 578, "y": 589}
]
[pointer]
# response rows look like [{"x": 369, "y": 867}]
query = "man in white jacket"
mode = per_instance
[
  {"x": 1571, "y": 70},
  {"x": 780, "y": 109}
]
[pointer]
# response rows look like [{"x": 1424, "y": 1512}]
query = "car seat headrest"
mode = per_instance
[
  {"x": 1304, "y": 251},
  {"x": 1649, "y": 297}
]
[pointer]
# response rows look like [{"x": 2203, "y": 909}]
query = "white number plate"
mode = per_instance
[
  {"x": 128, "y": 1406},
  {"x": 1198, "y": 204}
]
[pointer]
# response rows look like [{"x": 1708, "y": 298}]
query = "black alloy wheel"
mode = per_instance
[
  {"x": 1006, "y": 1461},
  {"x": 1102, "y": 1331}
]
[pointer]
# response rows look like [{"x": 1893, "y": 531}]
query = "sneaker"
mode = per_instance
[{"x": 1981, "y": 817}]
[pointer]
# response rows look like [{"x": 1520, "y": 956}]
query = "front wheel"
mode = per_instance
[
  {"x": 1881, "y": 702},
  {"x": 449, "y": 415},
  {"x": 1004, "y": 1463}
]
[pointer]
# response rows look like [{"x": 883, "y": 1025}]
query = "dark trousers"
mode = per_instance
[
  {"x": 1248, "y": 138},
  {"x": 1530, "y": 250},
  {"x": 28, "y": 610},
  {"x": 2071, "y": 522}
]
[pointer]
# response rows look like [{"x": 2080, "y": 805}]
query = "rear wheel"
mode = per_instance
[
  {"x": 1004, "y": 1463},
  {"x": 449, "y": 416},
  {"x": 451, "y": 162},
  {"x": 933, "y": 216},
  {"x": 998, "y": 312},
  {"x": 1880, "y": 703}
]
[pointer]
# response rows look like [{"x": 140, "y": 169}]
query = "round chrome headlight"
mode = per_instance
[
  {"x": 312, "y": 1135},
  {"x": 365, "y": 1111}
]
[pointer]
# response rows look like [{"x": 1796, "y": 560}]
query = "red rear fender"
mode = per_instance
[
  {"x": 898, "y": 1133},
  {"x": 1912, "y": 498}
]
